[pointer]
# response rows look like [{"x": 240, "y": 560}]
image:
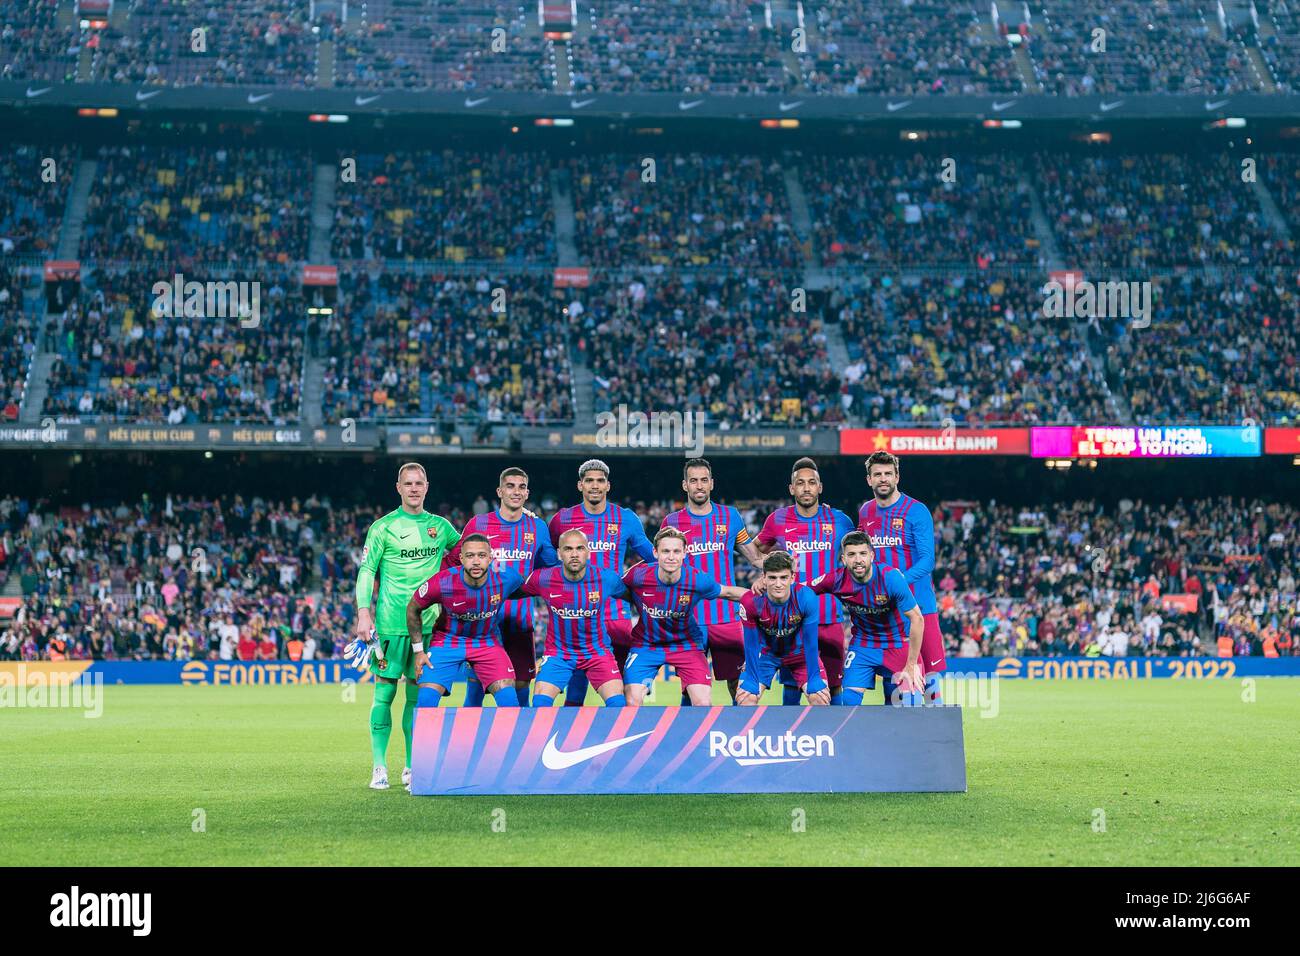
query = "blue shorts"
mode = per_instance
[
  {"x": 599, "y": 670},
  {"x": 793, "y": 665},
  {"x": 863, "y": 664},
  {"x": 644, "y": 663}
]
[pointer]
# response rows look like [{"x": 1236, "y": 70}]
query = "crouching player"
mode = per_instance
[
  {"x": 576, "y": 636},
  {"x": 668, "y": 632},
  {"x": 888, "y": 627},
  {"x": 469, "y": 629},
  {"x": 780, "y": 627}
]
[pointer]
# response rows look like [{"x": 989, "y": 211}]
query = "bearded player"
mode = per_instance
[
  {"x": 610, "y": 530},
  {"x": 576, "y": 594},
  {"x": 713, "y": 533},
  {"x": 403, "y": 549},
  {"x": 668, "y": 630},
  {"x": 780, "y": 634},
  {"x": 810, "y": 532},
  {"x": 887, "y": 624},
  {"x": 902, "y": 531},
  {"x": 473, "y": 598},
  {"x": 520, "y": 541}
]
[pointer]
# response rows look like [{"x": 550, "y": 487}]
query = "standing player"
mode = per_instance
[
  {"x": 887, "y": 624},
  {"x": 713, "y": 533},
  {"x": 669, "y": 630},
  {"x": 403, "y": 549},
  {"x": 780, "y": 633},
  {"x": 577, "y": 593},
  {"x": 520, "y": 541},
  {"x": 903, "y": 532},
  {"x": 610, "y": 530},
  {"x": 810, "y": 532},
  {"x": 473, "y": 598}
]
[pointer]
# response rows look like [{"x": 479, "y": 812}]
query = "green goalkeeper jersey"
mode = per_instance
[{"x": 403, "y": 550}]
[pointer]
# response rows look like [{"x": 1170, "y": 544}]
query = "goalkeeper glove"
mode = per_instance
[{"x": 359, "y": 650}]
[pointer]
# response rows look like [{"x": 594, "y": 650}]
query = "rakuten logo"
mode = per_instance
[{"x": 751, "y": 750}]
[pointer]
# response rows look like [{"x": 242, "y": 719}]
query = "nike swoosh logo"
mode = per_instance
[
  {"x": 473, "y": 103},
  {"x": 1209, "y": 105},
  {"x": 32, "y": 94},
  {"x": 553, "y": 758},
  {"x": 258, "y": 97},
  {"x": 683, "y": 105},
  {"x": 579, "y": 104},
  {"x": 934, "y": 663},
  {"x": 1107, "y": 107},
  {"x": 363, "y": 100},
  {"x": 895, "y": 107},
  {"x": 403, "y": 536},
  {"x": 999, "y": 107},
  {"x": 790, "y": 106},
  {"x": 141, "y": 97},
  {"x": 555, "y": 597}
]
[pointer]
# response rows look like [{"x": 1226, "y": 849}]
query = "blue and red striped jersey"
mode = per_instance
[
  {"x": 711, "y": 542},
  {"x": 519, "y": 545},
  {"x": 577, "y": 622},
  {"x": 903, "y": 534},
  {"x": 876, "y": 608},
  {"x": 611, "y": 533},
  {"x": 669, "y": 612},
  {"x": 814, "y": 543},
  {"x": 786, "y": 631},
  {"x": 469, "y": 614}
]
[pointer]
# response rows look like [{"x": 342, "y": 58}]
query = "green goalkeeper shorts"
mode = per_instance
[{"x": 398, "y": 655}]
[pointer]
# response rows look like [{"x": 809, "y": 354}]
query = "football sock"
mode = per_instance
[
  {"x": 617, "y": 700},
  {"x": 933, "y": 695},
  {"x": 541, "y": 700},
  {"x": 849, "y": 698},
  {"x": 473, "y": 692},
  {"x": 686, "y": 699},
  {"x": 429, "y": 697},
  {"x": 522, "y": 694},
  {"x": 790, "y": 696},
  {"x": 890, "y": 686},
  {"x": 408, "y": 718},
  {"x": 381, "y": 722},
  {"x": 506, "y": 696},
  {"x": 576, "y": 693},
  {"x": 836, "y": 694}
]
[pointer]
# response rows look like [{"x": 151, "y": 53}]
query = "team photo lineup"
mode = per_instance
[
  {"x": 648, "y": 434},
  {"x": 827, "y": 615}
]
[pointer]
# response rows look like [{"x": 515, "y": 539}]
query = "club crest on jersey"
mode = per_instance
[
  {"x": 683, "y": 599},
  {"x": 494, "y": 599},
  {"x": 722, "y": 530},
  {"x": 593, "y": 597},
  {"x": 882, "y": 600},
  {"x": 433, "y": 532},
  {"x": 529, "y": 537},
  {"x": 896, "y": 524},
  {"x": 828, "y": 528},
  {"x": 611, "y": 530}
]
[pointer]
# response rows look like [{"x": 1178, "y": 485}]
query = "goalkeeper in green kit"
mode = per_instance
[{"x": 403, "y": 549}]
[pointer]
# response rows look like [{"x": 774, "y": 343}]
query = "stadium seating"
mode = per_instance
[
  {"x": 33, "y": 196},
  {"x": 19, "y": 328}
]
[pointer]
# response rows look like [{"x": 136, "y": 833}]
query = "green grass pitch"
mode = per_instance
[{"x": 1185, "y": 773}]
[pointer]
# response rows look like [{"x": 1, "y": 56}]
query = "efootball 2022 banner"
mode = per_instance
[{"x": 477, "y": 750}]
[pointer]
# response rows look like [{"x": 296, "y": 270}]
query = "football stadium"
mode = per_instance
[{"x": 679, "y": 432}]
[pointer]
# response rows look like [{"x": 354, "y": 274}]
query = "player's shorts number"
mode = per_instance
[
  {"x": 628, "y": 663},
  {"x": 848, "y": 661}
]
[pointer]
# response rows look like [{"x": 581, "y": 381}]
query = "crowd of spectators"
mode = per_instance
[
  {"x": 188, "y": 204},
  {"x": 1120, "y": 214},
  {"x": 974, "y": 350},
  {"x": 118, "y": 358},
  {"x": 682, "y": 210},
  {"x": 913, "y": 47},
  {"x": 697, "y": 46},
  {"x": 19, "y": 328},
  {"x": 473, "y": 350},
  {"x": 1220, "y": 349},
  {"x": 34, "y": 183},
  {"x": 919, "y": 209},
  {"x": 249, "y": 579},
  {"x": 735, "y": 348},
  {"x": 446, "y": 205},
  {"x": 1080, "y": 578}
]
